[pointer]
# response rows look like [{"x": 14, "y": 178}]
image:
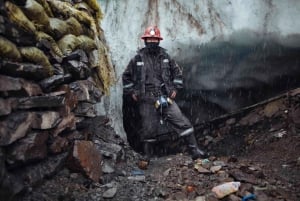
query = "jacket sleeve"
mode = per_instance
[
  {"x": 176, "y": 75},
  {"x": 128, "y": 78}
]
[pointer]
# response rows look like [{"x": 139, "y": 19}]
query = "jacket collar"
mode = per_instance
[{"x": 144, "y": 51}]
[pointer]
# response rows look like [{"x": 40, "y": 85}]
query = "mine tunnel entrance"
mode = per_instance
[{"x": 222, "y": 77}]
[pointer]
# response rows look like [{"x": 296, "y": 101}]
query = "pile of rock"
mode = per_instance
[
  {"x": 279, "y": 116},
  {"x": 54, "y": 68}
]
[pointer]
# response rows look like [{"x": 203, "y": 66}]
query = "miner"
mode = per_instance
[{"x": 152, "y": 79}]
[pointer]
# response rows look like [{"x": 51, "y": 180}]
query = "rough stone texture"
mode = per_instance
[
  {"x": 86, "y": 91},
  {"x": 113, "y": 151},
  {"x": 38, "y": 90},
  {"x": 26, "y": 70},
  {"x": 86, "y": 158},
  {"x": 70, "y": 99},
  {"x": 58, "y": 145},
  {"x": 10, "y": 85},
  {"x": 55, "y": 81},
  {"x": 35, "y": 173},
  {"x": 14, "y": 127},
  {"x": 6, "y": 106},
  {"x": 67, "y": 122},
  {"x": 33, "y": 147},
  {"x": 40, "y": 102},
  {"x": 5, "y": 181},
  {"x": 45, "y": 120},
  {"x": 84, "y": 109}
]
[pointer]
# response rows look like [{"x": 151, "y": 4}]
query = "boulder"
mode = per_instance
[{"x": 86, "y": 158}]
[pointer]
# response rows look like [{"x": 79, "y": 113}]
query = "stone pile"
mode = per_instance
[
  {"x": 279, "y": 115},
  {"x": 54, "y": 68}
]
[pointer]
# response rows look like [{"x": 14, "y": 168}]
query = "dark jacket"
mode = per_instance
[{"x": 148, "y": 71}]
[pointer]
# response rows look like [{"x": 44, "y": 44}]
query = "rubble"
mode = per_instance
[
  {"x": 265, "y": 165},
  {"x": 87, "y": 159}
]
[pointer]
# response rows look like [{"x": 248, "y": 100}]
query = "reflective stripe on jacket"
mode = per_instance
[{"x": 146, "y": 69}]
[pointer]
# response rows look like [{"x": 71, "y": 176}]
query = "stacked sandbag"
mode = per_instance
[{"x": 54, "y": 68}]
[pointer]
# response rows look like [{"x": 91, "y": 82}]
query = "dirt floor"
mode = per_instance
[
  {"x": 258, "y": 147},
  {"x": 269, "y": 169}
]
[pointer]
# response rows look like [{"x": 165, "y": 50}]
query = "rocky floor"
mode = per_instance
[
  {"x": 258, "y": 147},
  {"x": 269, "y": 171}
]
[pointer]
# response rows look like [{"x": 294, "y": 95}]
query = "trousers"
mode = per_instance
[{"x": 150, "y": 119}]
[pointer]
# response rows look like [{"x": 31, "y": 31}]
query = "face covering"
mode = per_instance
[{"x": 152, "y": 47}]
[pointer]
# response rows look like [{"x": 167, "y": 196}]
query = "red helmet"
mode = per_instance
[{"x": 152, "y": 32}]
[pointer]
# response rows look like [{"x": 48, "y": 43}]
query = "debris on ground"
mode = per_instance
[{"x": 263, "y": 159}]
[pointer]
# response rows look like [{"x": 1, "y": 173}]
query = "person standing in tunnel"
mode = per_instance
[{"x": 152, "y": 79}]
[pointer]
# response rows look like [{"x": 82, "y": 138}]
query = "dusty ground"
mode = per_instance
[
  {"x": 258, "y": 147},
  {"x": 269, "y": 169}
]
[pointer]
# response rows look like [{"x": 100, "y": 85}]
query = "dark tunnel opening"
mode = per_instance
[{"x": 224, "y": 76}]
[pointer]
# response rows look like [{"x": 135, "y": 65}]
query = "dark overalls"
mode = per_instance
[{"x": 150, "y": 76}]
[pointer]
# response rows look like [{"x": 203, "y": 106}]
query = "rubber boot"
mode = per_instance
[
  {"x": 194, "y": 150},
  {"x": 148, "y": 147}
]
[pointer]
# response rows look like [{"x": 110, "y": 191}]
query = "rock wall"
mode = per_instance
[
  {"x": 54, "y": 68},
  {"x": 234, "y": 53}
]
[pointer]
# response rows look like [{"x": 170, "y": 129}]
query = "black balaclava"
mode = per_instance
[{"x": 153, "y": 47}]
